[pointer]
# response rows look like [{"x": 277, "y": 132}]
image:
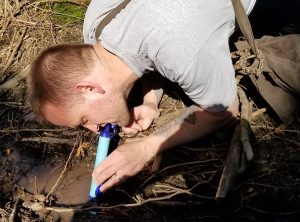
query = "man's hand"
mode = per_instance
[
  {"x": 126, "y": 161},
  {"x": 142, "y": 117}
]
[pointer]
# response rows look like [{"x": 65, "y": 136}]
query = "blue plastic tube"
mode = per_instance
[{"x": 102, "y": 150}]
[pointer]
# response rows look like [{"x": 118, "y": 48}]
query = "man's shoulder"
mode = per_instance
[{"x": 96, "y": 11}]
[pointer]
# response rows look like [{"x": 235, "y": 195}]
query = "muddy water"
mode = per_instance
[{"x": 39, "y": 178}]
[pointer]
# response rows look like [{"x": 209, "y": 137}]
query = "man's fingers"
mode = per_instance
[
  {"x": 101, "y": 176},
  {"x": 104, "y": 165},
  {"x": 145, "y": 123},
  {"x": 108, "y": 184},
  {"x": 104, "y": 170},
  {"x": 113, "y": 180},
  {"x": 133, "y": 129},
  {"x": 129, "y": 131}
]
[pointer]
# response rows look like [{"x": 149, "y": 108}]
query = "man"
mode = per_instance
[{"x": 88, "y": 85}]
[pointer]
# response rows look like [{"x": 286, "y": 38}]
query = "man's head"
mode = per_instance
[
  {"x": 70, "y": 85},
  {"x": 54, "y": 74}
]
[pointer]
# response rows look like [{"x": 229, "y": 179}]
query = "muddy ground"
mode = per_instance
[{"x": 46, "y": 171}]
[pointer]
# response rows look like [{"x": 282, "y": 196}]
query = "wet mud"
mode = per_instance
[{"x": 39, "y": 178}]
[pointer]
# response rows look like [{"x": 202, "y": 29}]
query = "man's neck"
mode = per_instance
[{"x": 119, "y": 71}]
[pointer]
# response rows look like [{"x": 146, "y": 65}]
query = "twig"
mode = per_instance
[
  {"x": 76, "y": 2},
  {"x": 232, "y": 166},
  {"x": 271, "y": 213},
  {"x": 170, "y": 203},
  {"x": 245, "y": 124},
  {"x": 15, "y": 80},
  {"x": 11, "y": 104},
  {"x": 14, "y": 212},
  {"x": 280, "y": 128},
  {"x": 32, "y": 130},
  {"x": 186, "y": 191},
  {"x": 51, "y": 140},
  {"x": 288, "y": 140},
  {"x": 273, "y": 128},
  {"x": 173, "y": 166},
  {"x": 156, "y": 163},
  {"x": 171, "y": 189},
  {"x": 264, "y": 185},
  {"x": 67, "y": 15},
  {"x": 64, "y": 170},
  {"x": 11, "y": 43},
  {"x": 11, "y": 57},
  {"x": 138, "y": 203},
  {"x": 258, "y": 112},
  {"x": 187, "y": 163},
  {"x": 5, "y": 8},
  {"x": 8, "y": 19},
  {"x": 26, "y": 22}
]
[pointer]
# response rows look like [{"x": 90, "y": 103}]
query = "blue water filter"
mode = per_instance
[{"x": 102, "y": 150}]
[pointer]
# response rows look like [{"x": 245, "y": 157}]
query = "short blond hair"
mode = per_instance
[{"x": 54, "y": 74}]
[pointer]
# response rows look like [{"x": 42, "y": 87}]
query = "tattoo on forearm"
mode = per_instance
[
  {"x": 165, "y": 130},
  {"x": 188, "y": 116},
  {"x": 191, "y": 118}
]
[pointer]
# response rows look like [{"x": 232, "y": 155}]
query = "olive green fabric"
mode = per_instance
[{"x": 279, "y": 84}]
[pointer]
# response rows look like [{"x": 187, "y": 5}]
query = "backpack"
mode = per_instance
[{"x": 275, "y": 71}]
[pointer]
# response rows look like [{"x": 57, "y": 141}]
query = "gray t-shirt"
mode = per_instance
[{"x": 184, "y": 40}]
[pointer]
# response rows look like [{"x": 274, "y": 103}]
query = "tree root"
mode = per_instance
[
  {"x": 11, "y": 83},
  {"x": 240, "y": 150},
  {"x": 156, "y": 163},
  {"x": 234, "y": 165},
  {"x": 14, "y": 212},
  {"x": 51, "y": 140},
  {"x": 245, "y": 124}
]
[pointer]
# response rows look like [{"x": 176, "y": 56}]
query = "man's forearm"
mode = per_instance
[{"x": 193, "y": 123}]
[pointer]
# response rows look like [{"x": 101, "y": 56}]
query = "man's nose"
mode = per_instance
[{"x": 92, "y": 127}]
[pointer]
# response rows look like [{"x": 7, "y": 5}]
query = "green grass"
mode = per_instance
[{"x": 66, "y": 13}]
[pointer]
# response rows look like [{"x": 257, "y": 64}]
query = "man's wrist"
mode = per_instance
[
  {"x": 153, "y": 106},
  {"x": 150, "y": 102},
  {"x": 151, "y": 146}
]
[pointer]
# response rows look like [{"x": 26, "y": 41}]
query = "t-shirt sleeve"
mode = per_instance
[{"x": 211, "y": 81}]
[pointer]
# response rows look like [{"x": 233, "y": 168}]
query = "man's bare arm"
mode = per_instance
[
  {"x": 130, "y": 158},
  {"x": 193, "y": 123}
]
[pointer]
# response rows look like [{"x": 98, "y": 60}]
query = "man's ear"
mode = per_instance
[{"x": 87, "y": 86}]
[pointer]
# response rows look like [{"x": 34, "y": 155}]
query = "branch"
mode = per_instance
[
  {"x": 232, "y": 166},
  {"x": 174, "y": 166},
  {"x": 64, "y": 170},
  {"x": 245, "y": 123},
  {"x": 14, "y": 212},
  {"x": 11, "y": 57},
  {"x": 156, "y": 163},
  {"x": 15, "y": 80},
  {"x": 51, "y": 140}
]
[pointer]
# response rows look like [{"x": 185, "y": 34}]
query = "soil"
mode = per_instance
[{"x": 46, "y": 171}]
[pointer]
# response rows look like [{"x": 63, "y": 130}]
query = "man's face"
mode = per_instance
[
  {"x": 102, "y": 95},
  {"x": 89, "y": 114}
]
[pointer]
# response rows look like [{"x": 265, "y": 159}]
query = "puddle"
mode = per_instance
[{"x": 38, "y": 178}]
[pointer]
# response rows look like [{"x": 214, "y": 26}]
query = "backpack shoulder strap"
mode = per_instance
[
  {"x": 244, "y": 23},
  {"x": 109, "y": 17}
]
